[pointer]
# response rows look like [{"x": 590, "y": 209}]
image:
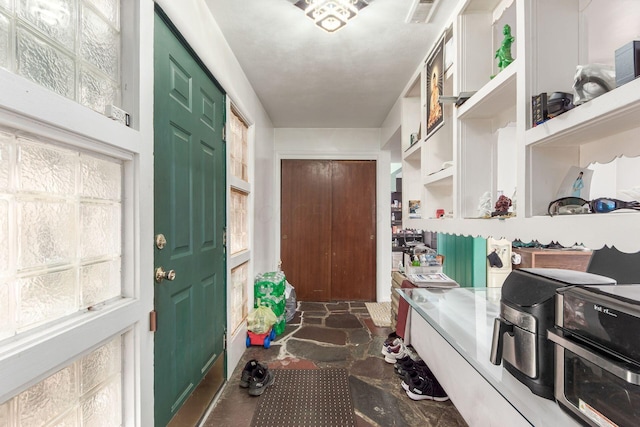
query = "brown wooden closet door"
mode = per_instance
[
  {"x": 353, "y": 231},
  {"x": 324, "y": 202},
  {"x": 305, "y": 240}
]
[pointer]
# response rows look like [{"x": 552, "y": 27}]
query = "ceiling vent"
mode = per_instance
[{"x": 421, "y": 11}]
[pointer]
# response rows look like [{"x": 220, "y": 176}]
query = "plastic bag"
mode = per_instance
[
  {"x": 261, "y": 320},
  {"x": 291, "y": 302},
  {"x": 591, "y": 81}
]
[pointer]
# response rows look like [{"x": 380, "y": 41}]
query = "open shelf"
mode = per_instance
[
  {"x": 613, "y": 112},
  {"x": 442, "y": 177},
  {"x": 413, "y": 152},
  {"x": 492, "y": 98}
]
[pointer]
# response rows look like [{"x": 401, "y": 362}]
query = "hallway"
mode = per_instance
[{"x": 336, "y": 335}]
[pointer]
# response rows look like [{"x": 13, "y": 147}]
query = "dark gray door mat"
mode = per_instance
[{"x": 306, "y": 397}]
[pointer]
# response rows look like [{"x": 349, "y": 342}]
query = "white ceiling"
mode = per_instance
[{"x": 307, "y": 78}]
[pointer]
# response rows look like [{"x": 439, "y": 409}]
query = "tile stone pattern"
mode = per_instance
[{"x": 336, "y": 335}]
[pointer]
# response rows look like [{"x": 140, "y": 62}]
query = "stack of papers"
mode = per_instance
[{"x": 432, "y": 280}]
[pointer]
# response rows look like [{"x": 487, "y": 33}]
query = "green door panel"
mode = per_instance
[{"x": 189, "y": 192}]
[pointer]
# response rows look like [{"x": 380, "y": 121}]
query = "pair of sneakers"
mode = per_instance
[{"x": 256, "y": 377}]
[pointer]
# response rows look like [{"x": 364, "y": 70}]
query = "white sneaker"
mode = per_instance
[
  {"x": 392, "y": 354},
  {"x": 390, "y": 344}
]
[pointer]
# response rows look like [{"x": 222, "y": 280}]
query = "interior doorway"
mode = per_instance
[{"x": 328, "y": 228}]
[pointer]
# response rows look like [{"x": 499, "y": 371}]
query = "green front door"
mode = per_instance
[{"x": 189, "y": 192}]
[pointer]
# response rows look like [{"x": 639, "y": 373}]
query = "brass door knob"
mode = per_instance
[{"x": 161, "y": 274}]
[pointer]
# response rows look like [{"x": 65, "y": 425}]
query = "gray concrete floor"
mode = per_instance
[{"x": 336, "y": 335}]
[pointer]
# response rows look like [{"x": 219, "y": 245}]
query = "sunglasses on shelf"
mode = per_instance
[{"x": 576, "y": 205}]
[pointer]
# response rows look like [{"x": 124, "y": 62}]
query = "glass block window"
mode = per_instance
[
  {"x": 239, "y": 215},
  {"x": 88, "y": 392},
  {"x": 238, "y": 147},
  {"x": 239, "y": 282},
  {"x": 60, "y": 232},
  {"x": 69, "y": 46}
]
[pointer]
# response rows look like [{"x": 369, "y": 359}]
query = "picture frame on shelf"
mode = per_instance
[
  {"x": 434, "y": 84},
  {"x": 576, "y": 183},
  {"x": 414, "y": 209}
]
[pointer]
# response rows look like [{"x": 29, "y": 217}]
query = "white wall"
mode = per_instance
[
  {"x": 343, "y": 144},
  {"x": 196, "y": 24}
]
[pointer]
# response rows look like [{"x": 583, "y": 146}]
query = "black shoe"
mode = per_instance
[
  {"x": 426, "y": 389},
  {"x": 403, "y": 365},
  {"x": 261, "y": 378},
  {"x": 420, "y": 372},
  {"x": 246, "y": 372}
]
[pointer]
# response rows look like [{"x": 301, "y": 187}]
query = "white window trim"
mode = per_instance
[
  {"x": 236, "y": 343},
  {"x": 32, "y": 109}
]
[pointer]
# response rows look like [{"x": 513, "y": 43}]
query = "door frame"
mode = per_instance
[{"x": 383, "y": 216}]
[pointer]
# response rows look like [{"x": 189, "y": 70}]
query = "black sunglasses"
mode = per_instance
[{"x": 576, "y": 205}]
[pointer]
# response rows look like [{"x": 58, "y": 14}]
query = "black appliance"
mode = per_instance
[
  {"x": 527, "y": 310},
  {"x": 597, "y": 354},
  {"x": 627, "y": 63},
  {"x": 545, "y": 107}
]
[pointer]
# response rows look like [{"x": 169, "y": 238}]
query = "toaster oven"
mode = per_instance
[{"x": 597, "y": 354}]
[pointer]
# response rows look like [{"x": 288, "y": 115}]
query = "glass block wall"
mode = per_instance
[
  {"x": 60, "y": 232},
  {"x": 238, "y": 217},
  {"x": 239, "y": 278},
  {"x": 88, "y": 392},
  {"x": 238, "y": 143},
  {"x": 69, "y": 46}
]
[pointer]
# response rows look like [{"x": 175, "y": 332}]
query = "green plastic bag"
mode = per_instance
[{"x": 261, "y": 320}]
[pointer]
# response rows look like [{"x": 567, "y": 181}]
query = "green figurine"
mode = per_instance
[{"x": 504, "y": 52}]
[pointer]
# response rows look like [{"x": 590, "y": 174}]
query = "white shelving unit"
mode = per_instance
[{"x": 490, "y": 138}]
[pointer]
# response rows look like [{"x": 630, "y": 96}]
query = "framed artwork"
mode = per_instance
[{"x": 435, "y": 80}]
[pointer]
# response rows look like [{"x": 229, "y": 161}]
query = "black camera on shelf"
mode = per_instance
[{"x": 545, "y": 107}]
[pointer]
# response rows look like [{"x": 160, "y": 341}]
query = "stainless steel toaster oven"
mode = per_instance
[{"x": 597, "y": 354}]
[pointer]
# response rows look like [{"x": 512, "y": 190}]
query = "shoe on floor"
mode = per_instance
[
  {"x": 419, "y": 372},
  {"x": 392, "y": 354},
  {"x": 246, "y": 373},
  {"x": 261, "y": 378},
  {"x": 403, "y": 364},
  {"x": 426, "y": 389},
  {"x": 390, "y": 344}
]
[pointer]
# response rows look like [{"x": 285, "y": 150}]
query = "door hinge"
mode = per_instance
[
  {"x": 224, "y": 341},
  {"x": 153, "y": 325},
  {"x": 224, "y": 133}
]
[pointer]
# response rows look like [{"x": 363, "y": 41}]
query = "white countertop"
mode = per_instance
[{"x": 464, "y": 317}]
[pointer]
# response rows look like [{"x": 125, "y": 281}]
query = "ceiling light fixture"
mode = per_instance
[{"x": 331, "y": 15}]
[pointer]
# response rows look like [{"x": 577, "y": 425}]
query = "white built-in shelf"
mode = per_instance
[
  {"x": 613, "y": 112},
  {"x": 493, "y": 97},
  {"x": 603, "y": 229},
  {"x": 441, "y": 178},
  {"x": 413, "y": 152}
]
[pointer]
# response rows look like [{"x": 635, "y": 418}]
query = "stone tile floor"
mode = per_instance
[{"x": 336, "y": 335}]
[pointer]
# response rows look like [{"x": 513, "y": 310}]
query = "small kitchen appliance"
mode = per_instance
[
  {"x": 527, "y": 310},
  {"x": 597, "y": 354}
]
